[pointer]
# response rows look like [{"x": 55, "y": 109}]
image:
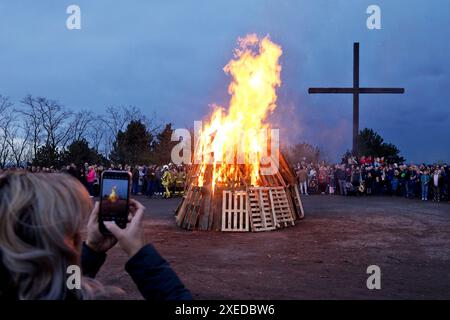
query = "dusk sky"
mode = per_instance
[{"x": 166, "y": 57}]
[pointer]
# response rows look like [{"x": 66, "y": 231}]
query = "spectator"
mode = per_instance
[
  {"x": 135, "y": 181},
  {"x": 41, "y": 219},
  {"x": 302, "y": 176},
  {"x": 341, "y": 176},
  {"x": 90, "y": 179},
  {"x": 323, "y": 176},
  {"x": 437, "y": 180},
  {"x": 151, "y": 182},
  {"x": 424, "y": 181}
]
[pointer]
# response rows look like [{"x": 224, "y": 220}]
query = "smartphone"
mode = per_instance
[{"x": 114, "y": 198}]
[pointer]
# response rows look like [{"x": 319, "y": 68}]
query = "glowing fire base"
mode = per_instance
[{"x": 274, "y": 204}]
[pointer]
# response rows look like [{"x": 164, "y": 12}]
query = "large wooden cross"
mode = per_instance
[{"x": 356, "y": 90}]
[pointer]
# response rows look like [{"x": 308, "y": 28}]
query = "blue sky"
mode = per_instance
[{"x": 167, "y": 57}]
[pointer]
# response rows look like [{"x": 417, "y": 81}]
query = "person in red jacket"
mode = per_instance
[{"x": 90, "y": 179}]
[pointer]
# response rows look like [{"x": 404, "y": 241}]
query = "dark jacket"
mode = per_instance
[
  {"x": 340, "y": 174},
  {"x": 152, "y": 274}
]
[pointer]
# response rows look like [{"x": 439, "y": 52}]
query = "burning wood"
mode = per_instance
[
  {"x": 239, "y": 180},
  {"x": 233, "y": 142}
]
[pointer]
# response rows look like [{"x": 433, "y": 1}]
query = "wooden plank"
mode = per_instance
[
  {"x": 224, "y": 209},
  {"x": 205, "y": 216},
  {"x": 243, "y": 209},
  {"x": 299, "y": 202},
  {"x": 182, "y": 210},
  {"x": 237, "y": 211},
  {"x": 217, "y": 220},
  {"x": 195, "y": 211},
  {"x": 191, "y": 207},
  {"x": 263, "y": 212},
  {"x": 229, "y": 209},
  {"x": 273, "y": 209}
]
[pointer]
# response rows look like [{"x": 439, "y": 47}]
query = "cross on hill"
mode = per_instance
[{"x": 356, "y": 90}]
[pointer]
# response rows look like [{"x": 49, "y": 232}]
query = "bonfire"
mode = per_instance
[
  {"x": 113, "y": 197},
  {"x": 239, "y": 180}
]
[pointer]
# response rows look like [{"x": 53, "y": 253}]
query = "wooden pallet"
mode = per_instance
[
  {"x": 281, "y": 207},
  {"x": 206, "y": 208},
  {"x": 192, "y": 209},
  {"x": 234, "y": 211},
  {"x": 262, "y": 217},
  {"x": 297, "y": 201}
]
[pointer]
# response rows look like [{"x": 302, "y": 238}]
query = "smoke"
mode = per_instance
[{"x": 299, "y": 122}]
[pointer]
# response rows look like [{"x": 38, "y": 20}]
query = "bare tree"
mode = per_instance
[
  {"x": 45, "y": 122},
  {"x": 5, "y": 105},
  {"x": 115, "y": 120},
  {"x": 4, "y": 147},
  {"x": 118, "y": 117},
  {"x": 80, "y": 125},
  {"x": 5, "y": 124},
  {"x": 48, "y": 121},
  {"x": 33, "y": 118},
  {"x": 18, "y": 138},
  {"x": 153, "y": 124},
  {"x": 95, "y": 133}
]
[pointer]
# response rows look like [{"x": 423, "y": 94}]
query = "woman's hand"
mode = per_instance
[
  {"x": 95, "y": 239},
  {"x": 131, "y": 239}
]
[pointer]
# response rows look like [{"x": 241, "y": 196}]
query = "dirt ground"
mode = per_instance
[{"x": 325, "y": 256}]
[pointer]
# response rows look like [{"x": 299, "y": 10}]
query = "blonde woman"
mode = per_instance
[{"x": 41, "y": 216}]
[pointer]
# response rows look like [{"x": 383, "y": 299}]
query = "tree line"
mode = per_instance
[
  {"x": 370, "y": 143},
  {"x": 42, "y": 132}
]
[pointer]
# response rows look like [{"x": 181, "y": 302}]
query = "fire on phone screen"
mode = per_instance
[{"x": 114, "y": 198}]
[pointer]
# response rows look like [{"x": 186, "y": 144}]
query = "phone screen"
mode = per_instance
[{"x": 114, "y": 198}]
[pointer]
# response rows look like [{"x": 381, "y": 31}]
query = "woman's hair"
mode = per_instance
[{"x": 41, "y": 216}]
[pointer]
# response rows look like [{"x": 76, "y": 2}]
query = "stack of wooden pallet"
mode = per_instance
[
  {"x": 259, "y": 208},
  {"x": 240, "y": 207}
]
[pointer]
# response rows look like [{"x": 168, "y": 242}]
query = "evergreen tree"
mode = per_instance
[
  {"x": 372, "y": 144},
  {"x": 133, "y": 146},
  {"x": 79, "y": 152},
  {"x": 162, "y": 148},
  {"x": 47, "y": 156}
]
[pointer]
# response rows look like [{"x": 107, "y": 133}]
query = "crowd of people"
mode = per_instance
[
  {"x": 374, "y": 176},
  {"x": 353, "y": 176},
  {"x": 148, "y": 180}
]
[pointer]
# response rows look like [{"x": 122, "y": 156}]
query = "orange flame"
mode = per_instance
[
  {"x": 233, "y": 138},
  {"x": 113, "y": 197}
]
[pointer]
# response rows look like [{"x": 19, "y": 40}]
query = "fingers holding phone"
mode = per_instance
[
  {"x": 131, "y": 239},
  {"x": 133, "y": 208},
  {"x": 95, "y": 239}
]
